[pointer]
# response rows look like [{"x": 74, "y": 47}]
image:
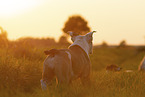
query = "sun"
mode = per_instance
[{"x": 13, "y": 7}]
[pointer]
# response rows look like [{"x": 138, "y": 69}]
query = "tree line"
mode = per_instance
[{"x": 75, "y": 23}]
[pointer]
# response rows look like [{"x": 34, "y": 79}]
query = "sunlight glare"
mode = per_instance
[{"x": 13, "y": 7}]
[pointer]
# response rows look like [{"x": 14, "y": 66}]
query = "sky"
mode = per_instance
[{"x": 114, "y": 20}]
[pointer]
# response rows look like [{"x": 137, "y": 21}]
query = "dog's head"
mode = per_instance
[{"x": 84, "y": 41}]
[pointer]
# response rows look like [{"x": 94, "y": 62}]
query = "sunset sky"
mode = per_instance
[{"x": 114, "y": 20}]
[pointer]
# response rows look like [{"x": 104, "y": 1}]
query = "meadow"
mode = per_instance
[{"x": 21, "y": 70}]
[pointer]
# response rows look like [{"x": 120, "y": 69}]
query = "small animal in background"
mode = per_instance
[
  {"x": 113, "y": 67},
  {"x": 142, "y": 65}
]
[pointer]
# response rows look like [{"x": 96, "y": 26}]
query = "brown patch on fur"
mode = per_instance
[{"x": 51, "y": 52}]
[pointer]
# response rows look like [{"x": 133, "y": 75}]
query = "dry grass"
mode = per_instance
[{"x": 21, "y": 68}]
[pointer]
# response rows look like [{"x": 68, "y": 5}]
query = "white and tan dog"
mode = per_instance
[
  {"x": 142, "y": 65},
  {"x": 69, "y": 64}
]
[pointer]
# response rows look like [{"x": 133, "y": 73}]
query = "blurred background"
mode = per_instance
[
  {"x": 114, "y": 20},
  {"x": 29, "y": 27}
]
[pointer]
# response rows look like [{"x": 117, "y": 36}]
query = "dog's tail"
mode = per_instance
[{"x": 51, "y": 52}]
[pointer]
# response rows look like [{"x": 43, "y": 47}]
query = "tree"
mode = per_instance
[
  {"x": 77, "y": 24},
  {"x": 104, "y": 44},
  {"x": 63, "y": 41},
  {"x": 3, "y": 37},
  {"x": 122, "y": 44}
]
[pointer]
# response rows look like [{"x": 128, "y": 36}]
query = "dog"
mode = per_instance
[
  {"x": 142, "y": 65},
  {"x": 69, "y": 64},
  {"x": 113, "y": 67}
]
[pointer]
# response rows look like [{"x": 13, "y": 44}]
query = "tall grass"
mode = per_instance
[{"x": 21, "y": 68}]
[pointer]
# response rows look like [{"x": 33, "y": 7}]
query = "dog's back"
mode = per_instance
[
  {"x": 68, "y": 63},
  {"x": 80, "y": 62}
]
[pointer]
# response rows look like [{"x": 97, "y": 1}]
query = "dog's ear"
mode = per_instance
[
  {"x": 72, "y": 33},
  {"x": 89, "y": 36}
]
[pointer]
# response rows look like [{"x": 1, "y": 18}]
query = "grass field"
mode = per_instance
[{"x": 21, "y": 68}]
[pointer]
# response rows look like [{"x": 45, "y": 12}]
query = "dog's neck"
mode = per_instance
[{"x": 82, "y": 44}]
